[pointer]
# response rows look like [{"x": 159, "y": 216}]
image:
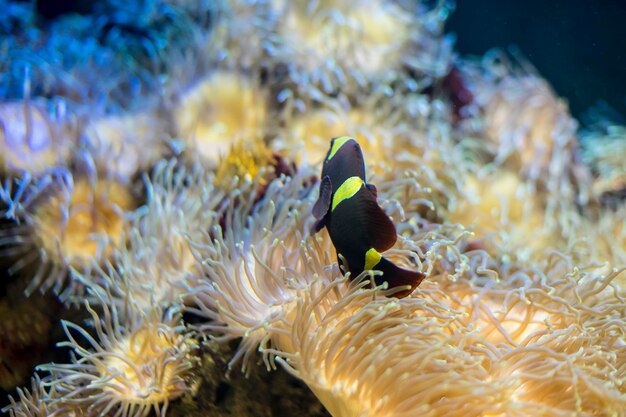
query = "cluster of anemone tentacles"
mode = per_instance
[{"x": 200, "y": 204}]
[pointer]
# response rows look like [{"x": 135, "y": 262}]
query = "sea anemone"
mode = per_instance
[
  {"x": 603, "y": 148},
  {"x": 156, "y": 263},
  {"x": 425, "y": 179},
  {"x": 36, "y": 402},
  {"x": 332, "y": 45},
  {"x": 34, "y": 140},
  {"x": 250, "y": 286},
  {"x": 237, "y": 39},
  {"x": 245, "y": 161},
  {"x": 70, "y": 220},
  {"x": 372, "y": 118},
  {"x": 124, "y": 145},
  {"x": 223, "y": 108},
  {"x": 499, "y": 210},
  {"x": 531, "y": 131},
  {"x": 603, "y": 238},
  {"x": 525, "y": 120},
  {"x": 464, "y": 348},
  {"x": 490, "y": 201},
  {"x": 129, "y": 367}
]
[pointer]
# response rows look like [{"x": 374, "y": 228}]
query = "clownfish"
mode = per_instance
[{"x": 358, "y": 227}]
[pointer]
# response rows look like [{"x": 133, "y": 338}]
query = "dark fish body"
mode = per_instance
[{"x": 358, "y": 227}]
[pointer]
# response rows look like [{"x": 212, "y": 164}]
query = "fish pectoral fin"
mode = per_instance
[
  {"x": 379, "y": 226},
  {"x": 323, "y": 202},
  {"x": 318, "y": 225},
  {"x": 372, "y": 189}
]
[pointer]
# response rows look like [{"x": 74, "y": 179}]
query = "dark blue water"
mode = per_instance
[{"x": 578, "y": 45}]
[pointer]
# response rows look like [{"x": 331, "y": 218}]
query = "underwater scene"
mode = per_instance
[{"x": 307, "y": 208}]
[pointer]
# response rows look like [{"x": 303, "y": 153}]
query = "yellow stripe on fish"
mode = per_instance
[
  {"x": 372, "y": 257},
  {"x": 346, "y": 190},
  {"x": 337, "y": 144}
]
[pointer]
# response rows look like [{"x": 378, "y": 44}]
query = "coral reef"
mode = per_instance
[{"x": 159, "y": 164}]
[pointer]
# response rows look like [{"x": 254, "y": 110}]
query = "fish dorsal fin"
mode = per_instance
[
  {"x": 379, "y": 226},
  {"x": 322, "y": 205}
]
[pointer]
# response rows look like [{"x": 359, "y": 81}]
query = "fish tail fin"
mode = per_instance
[{"x": 398, "y": 277}]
